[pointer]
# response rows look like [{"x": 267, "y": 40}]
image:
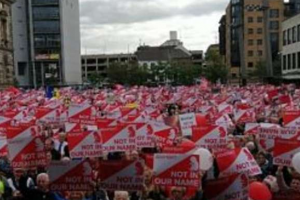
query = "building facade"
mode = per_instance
[
  {"x": 6, "y": 45},
  {"x": 245, "y": 34},
  {"x": 172, "y": 50},
  {"x": 291, "y": 48},
  {"x": 46, "y": 42},
  {"x": 98, "y": 64}
]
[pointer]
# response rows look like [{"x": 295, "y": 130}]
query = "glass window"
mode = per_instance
[
  {"x": 259, "y": 19},
  {"x": 91, "y": 61},
  {"x": 250, "y": 30},
  {"x": 45, "y": 2},
  {"x": 21, "y": 68},
  {"x": 259, "y": 42},
  {"x": 250, "y": 64},
  {"x": 274, "y": 25},
  {"x": 259, "y": 31},
  {"x": 284, "y": 62},
  {"x": 294, "y": 34},
  {"x": 250, "y": 19},
  {"x": 46, "y": 26},
  {"x": 294, "y": 60},
  {"x": 289, "y": 61},
  {"x": 45, "y": 13},
  {"x": 259, "y": 53},
  {"x": 250, "y": 42},
  {"x": 298, "y": 60},
  {"x": 250, "y": 53},
  {"x": 284, "y": 38},
  {"x": 274, "y": 13},
  {"x": 289, "y": 36},
  {"x": 298, "y": 35}
]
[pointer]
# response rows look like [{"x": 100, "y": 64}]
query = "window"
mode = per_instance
[
  {"x": 259, "y": 42},
  {"x": 298, "y": 35},
  {"x": 294, "y": 34},
  {"x": 259, "y": 53},
  {"x": 250, "y": 19},
  {"x": 91, "y": 61},
  {"x": 284, "y": 38},
  {"x": 21, "y": 68},
  {"x": 250, "y": 53},
  {"x": 250, "y": 64},
  {"x": 45, "y": 12},
  {"x": 259, "y": 31},
  {"x": 274, "y": 13},
  {"x": 46, "y": 26},
  {"x": 250, "y": 42},
  {"x": 259, "y": 19},
  {"x": 289, "y": 36},
  {"x": 274, "y": 25},
  {"x": 289, "y": 61},
  {"x": 294, "y": 60},
  {"x": 233, "y": 75},
  {"x": 250, "y": 30},
  {"x": 298, "y": 60},
  {"x": 284, "y": 62}
]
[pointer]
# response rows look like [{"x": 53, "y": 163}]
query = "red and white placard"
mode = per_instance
[
  {"x": 26, "y": 147},
  {"x": 119, "y": 138},
  {"x": 267, "y": 136},
  {"x": 85, "y": 144},
  {"x": 122, "y": 175},
  {"x": 210, "y": 137},
  {"x": 284, "y": 151},
  {"x": 70, "y": 176},
  {"x": 145, "y": 137},
  {"x": 239, "y": 160},
  {"x": 291, "y": 118},
  {"x": 176, "y": 170}
]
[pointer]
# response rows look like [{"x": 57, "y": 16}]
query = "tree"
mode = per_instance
[
  {"x": 260, "y": 70},
  {"x": 215, "y": 67}
]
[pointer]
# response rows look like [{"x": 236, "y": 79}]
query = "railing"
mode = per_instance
[{"x": 45, "y": 2}]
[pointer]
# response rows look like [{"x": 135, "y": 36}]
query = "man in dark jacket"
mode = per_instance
[{"x": 42, "y": 192}]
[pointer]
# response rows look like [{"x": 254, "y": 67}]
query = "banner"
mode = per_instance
[
  {"x": 239, "y": 160},
  {"x": 234, "y": 187},
  {"x": 210, "y": 137},
  {"x": 244, "y": 116},
  {"x": 145, "y": 137},
  {"x": 180, "y": 170},
  {"x": 82, "y": 113},
  {"x": 122, "y": 175},
  {"x": 85, "y": 144},
  {"x": 187, "y": 121},
  {"x": 284, "y": 151},
  {"x": 267, "y": 136},
  {"x": 3, "y": 146},
  {"x": 119, "y": 138},
  {"x": 70, "y": 176},
  {"x": 26, "y": 148},
  {"x": 291, "y": 118}
]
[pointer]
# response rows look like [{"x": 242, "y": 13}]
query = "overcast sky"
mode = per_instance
[{"x": 116, "y": 26}]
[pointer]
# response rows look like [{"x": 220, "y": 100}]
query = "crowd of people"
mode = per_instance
[{"x": 282, "y": 181}]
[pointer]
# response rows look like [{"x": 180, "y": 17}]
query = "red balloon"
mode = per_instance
[
  {"x": 201, "y": 120},
  {"x": 259, "y": 191}
]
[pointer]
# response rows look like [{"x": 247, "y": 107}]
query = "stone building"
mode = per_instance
[{"x": 6, "y": 45}]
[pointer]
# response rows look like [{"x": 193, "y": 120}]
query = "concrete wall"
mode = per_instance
[
  {"x": 20, "y": 40},
  {"x": 70, "y": 25}
]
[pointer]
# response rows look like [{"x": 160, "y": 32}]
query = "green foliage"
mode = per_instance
[
  {"x": 260, "y": 70},
  {"x": 215, "y": 67},
  {"x": 177, "y": 73}
]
